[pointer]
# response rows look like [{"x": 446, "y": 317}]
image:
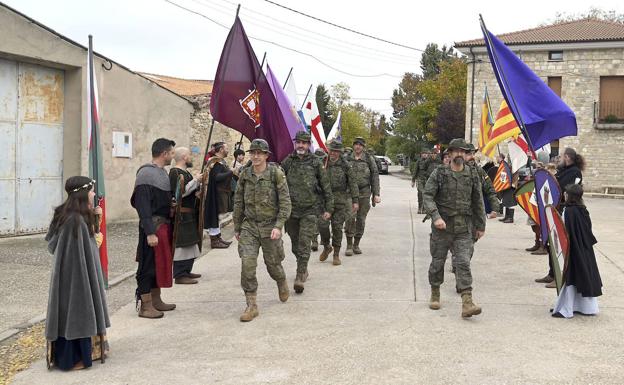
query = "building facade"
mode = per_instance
[
  {"x": 43, "y": 115},
  {"x": 583, "y": 62}
]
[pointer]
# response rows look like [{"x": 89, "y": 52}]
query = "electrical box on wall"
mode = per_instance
[{"x": 122, "y": 144}]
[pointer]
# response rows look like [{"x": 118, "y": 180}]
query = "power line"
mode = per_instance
[
  {"x": 345, "y": 28},
  {"x": 287, "y": 48}
]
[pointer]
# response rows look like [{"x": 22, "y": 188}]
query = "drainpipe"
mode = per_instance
[{"x": 474, "y": 62}]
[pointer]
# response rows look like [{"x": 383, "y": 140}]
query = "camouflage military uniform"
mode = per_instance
[
  {"x": 309, "y": 186},
  {"x": 261, "y": 204},
  {"x": 322, "y": 155},
  {"x": 487, "y": 188},
  {"x": 367, "y": 178},
  {"x": 418, "y": 177},
  {"x": 456, "y": 198},
  {"x": 345, "y": 190}
]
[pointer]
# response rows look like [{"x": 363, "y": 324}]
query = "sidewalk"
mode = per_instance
[{"x": 367, "y": 321}]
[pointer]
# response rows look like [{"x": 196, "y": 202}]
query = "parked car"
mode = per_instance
[
  {"x": 382, "y": 164},
  {"x": 387, "y": 160}
]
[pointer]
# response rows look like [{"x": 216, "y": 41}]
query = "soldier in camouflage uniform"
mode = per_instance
[
  {"x": 322, "y": 155},
  {"x": 367, "y": 178},
  {"x": 486, "y": 184},
  {"x": 346, "y": 197},
  {"x": 454, "y": 201},
  {"x": 261, "y": 207},
  {"x": 418, "y": 175},
  {"x": 309, "y": 189}
]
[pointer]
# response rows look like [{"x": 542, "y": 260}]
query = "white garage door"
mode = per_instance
[{"x": 31, "y": 136}]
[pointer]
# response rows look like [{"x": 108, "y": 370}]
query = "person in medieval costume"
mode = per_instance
[
  {"x": 152, "y": 200},
  {"x": 218, "y": 200},
  {"x": 582, "y": 284},
  {"x": 77, "y": 315},
  {"x": 187, "y": 239}
]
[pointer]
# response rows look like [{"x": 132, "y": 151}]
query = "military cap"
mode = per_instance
[
  {"x": 459, "y": 143},
  {"x": 348, "y": 149},
  {"x": 335, "y": 145},
  {"x": 303, "y": 136},
  {"x": 472, "y": 147},
  {"x": 320, "y": 153},
  {"x": 259, "y": 144},
  {"x": 359, "y": 140}
]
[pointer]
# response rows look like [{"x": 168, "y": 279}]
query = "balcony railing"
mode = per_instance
[{"x": 609, "y": 111}]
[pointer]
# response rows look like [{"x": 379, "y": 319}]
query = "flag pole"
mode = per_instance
[
  {"x": 306, "y": 97},
  {"x": 287, "y": 77},
  {"x": 94, "y": 136},
  {"x": 506, "y": 90},
  {"x": 215, "y": 101}
]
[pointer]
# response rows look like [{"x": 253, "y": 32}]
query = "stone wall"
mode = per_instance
[
  {"x": 200, "y": 127},
  {"x": 580, "y": 72}
]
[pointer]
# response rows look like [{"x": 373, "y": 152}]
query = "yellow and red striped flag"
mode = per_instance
[
  {"x": 502, "y": 180},
  {"x": 526, "y": 200},
  {"x": 504, "y": 127},
  {"x": 485, "y": 126}
]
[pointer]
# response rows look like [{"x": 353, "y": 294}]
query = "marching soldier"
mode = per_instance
[
  {"x": 261, "y": 207},
  {"x": 346, "y": 200},
  {"x": 367, "y": 178},
  {"x": 454, "y": 201},
  {"x": 309, "y": 189},
  {"x": 418, "y": 175}
]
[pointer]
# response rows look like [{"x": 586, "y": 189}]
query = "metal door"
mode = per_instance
[{"x": 31, "y": 128}]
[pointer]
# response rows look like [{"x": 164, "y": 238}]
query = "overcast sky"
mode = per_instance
[{"x": 155, "y": 36}]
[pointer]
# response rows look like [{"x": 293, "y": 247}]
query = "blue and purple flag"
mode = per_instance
[
  {"x": 542, "y": 116},
  {"x": 547, "y": 192},
  {"x": 242, "y": 98},
  {"x": 285, "y": 105}
]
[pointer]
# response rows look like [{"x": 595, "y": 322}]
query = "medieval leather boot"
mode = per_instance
[
  {"x": 510, "y": 217},
  {"x": 158, "y": 302},
  {"x": 535, "y": 246},
  {"x": 541, "y": 250},
  {"x": 325, "y": 253},
  {"x": 349, "y": 251},
  {"x": 193, "y": 275},
  {"x": 468, "y": 307},
  {"x": 505, "y": 216},
  {"x": 223, "y": 240},
  {"x": 185, "y": 280},
  {"x": 299, "y": 280},
  {"x": 336, "y": 261},
  {"x": 434, "y": 301},
  {"x": 546, "y": 279},
  {"x": 356, "y": 246},
  {"x": 282, "y": 290},
  {"x": 251, "y": 311},
  {"x": 217, "y": 243},
  {"x": 147, "y": 309}
]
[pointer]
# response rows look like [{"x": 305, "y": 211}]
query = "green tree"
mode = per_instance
[
  {"x": 591, "y": 13},
  {"x": 323, "y": 101},
  {"x": 406, "y": 96},
  {"x": 340, "y": 93},
  {"x": 352, "y": 125}
]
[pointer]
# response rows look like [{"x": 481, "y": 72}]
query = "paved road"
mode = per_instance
[{"x": 367, "y": 321}]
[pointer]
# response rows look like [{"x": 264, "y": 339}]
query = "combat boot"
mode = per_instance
[
  {"x": 535, "y": 246},
  {"x": 325, "y": 253},
  {"x": 282, "y": 290},
  {"x": 314, "y": 245},
  {"x": 349, "y": 251},
  {"x": 147, "y": 308},
  {"x": 298, "y": 286},
  {"x": 336, "y": 261},
  {"x": 158, "y": 302},
  {"x": 468, "y": 307},
  {"x": 510, "y": 217},
  {"x": 356, "y": 246},
  {"x": 434, "y": 301},
  {"x": 541, "y": 250},
  {"x": 251, "y": 311}
]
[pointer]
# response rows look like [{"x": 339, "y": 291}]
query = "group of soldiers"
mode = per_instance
[
  {"x": 452, "y": 194},
  {"x": 307, "y": 194}
]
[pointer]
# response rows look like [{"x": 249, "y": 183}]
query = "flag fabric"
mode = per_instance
[
  {"x": 543, "y": 115},
  {"x": 558, "y": 242},
  {"x": 242, "y": 98},
  {"x": 547, "y": 192},
  {"x": 291, "y": 92},
  {"x": 313, "y": 121},
  {"x": 505, "y": 127},
  {"x": 519, "y": 152},
  {"x": 336, "y": 130},
  {"x": 487, "y": 121},
  {"x": 525, "y": 196},
  {"x": 502, "y": 180},
  {"x": 285, "y": 105},
  {"x": 94, "y": 150}
]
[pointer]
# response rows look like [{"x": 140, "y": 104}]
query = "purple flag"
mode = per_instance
[
  {"x": 290, "y": 116},
  {"x": 242, "y": 98},
  {"x": 547, "y": 192}
]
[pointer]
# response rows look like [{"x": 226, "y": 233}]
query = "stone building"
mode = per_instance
[
  {"x": 43, "y": 120},
  {"x": 198, "y": 93},
  {"x": 583, "y": 62}
]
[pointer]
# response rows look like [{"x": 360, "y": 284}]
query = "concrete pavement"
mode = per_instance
[{"x": 367, "y": 321}]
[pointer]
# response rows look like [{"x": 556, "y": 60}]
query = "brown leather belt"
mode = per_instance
[{"x": 186, "y": 210}]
